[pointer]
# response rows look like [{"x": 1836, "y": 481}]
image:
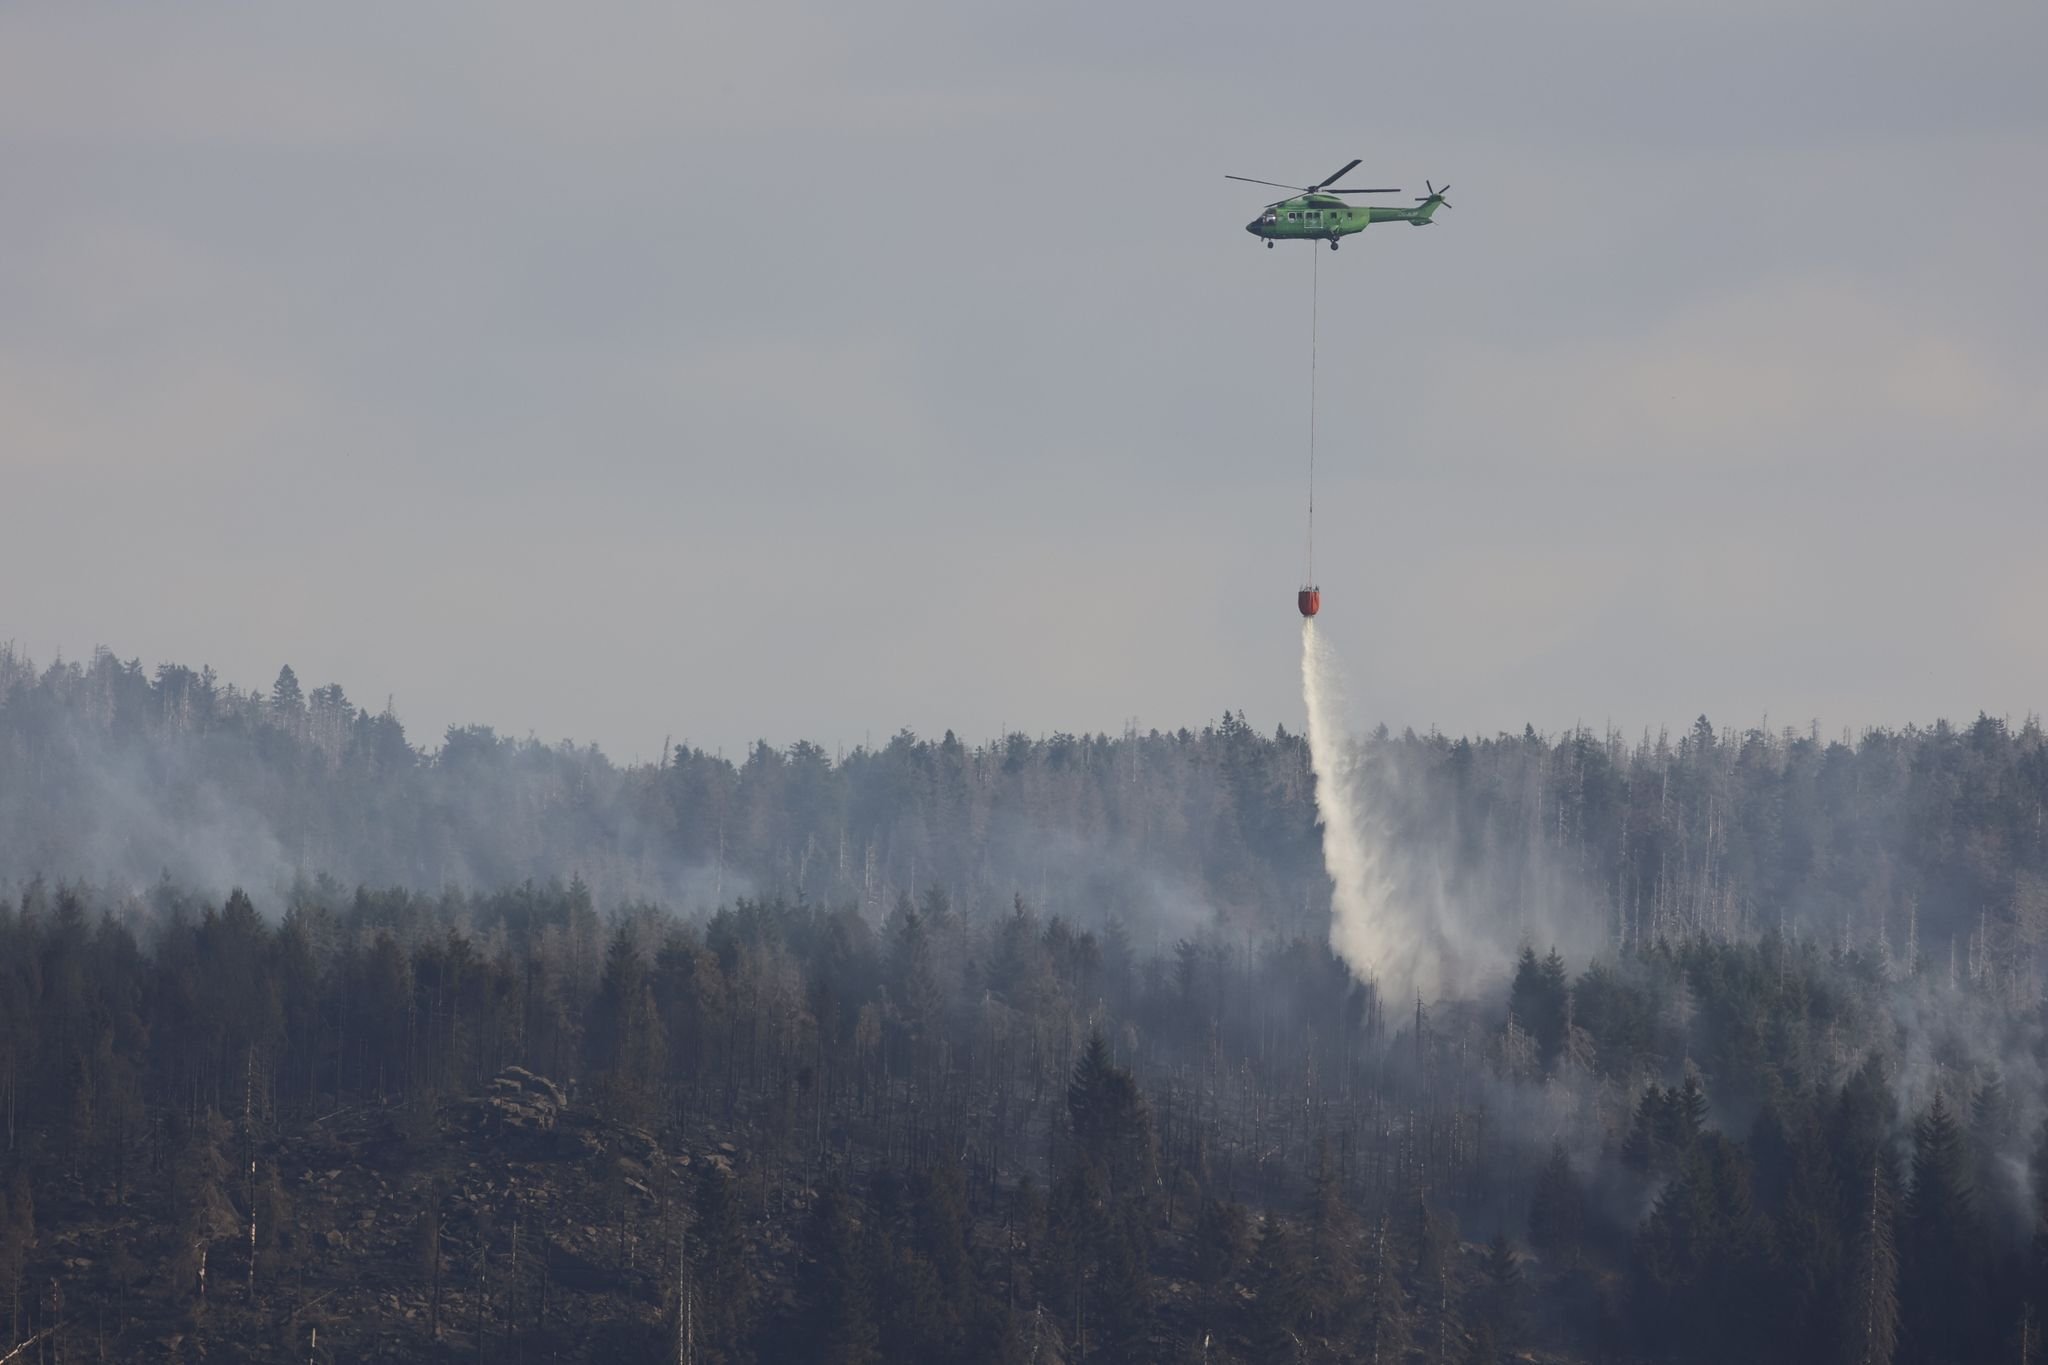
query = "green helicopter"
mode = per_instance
[{"x": 1316, "y": 214}]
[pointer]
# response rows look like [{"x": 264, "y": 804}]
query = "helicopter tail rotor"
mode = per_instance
[{"x": 1427, "y": 205}]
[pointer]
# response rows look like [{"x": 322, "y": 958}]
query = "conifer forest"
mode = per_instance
[{"x": 322, "y": 1043}]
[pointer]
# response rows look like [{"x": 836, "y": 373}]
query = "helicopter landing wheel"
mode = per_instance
[
  {"x": 1333, "y": 244},
  {"x": 1269, "y": 246}
]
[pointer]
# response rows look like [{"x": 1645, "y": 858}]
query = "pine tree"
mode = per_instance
[
  {"x": 1221, "y": 1240},
  {"x": 1112, "y": 1126},
  {"x": 624, "y": 1047},
  {"x": 1688, "y": 1113},
  {"x": 17, "y": 1234},
  {"x": 940, "y": 1196},
  {"x": 286, "y": 697},
  {"x": 725, "y": 1282},
  {"x": 1772, "y": 1155},
  {"x": 914, "y": 984},
  {"x": 1102, "y": 1208},
  {"x": 1647, "y": 1148},
  {"x": 206, "y": 1214},
  {"x": 835, "y": 1322},
  {"x": 1538, "y": 1002},
  {"x": 427, "y": 1252},
  {"x": 1279, "y": 1277},
  {"x": 1435, "y": 1239},
  {"x": 916, "y": 1321},
  {"x": 1023, "y": 1240},
  {"x": 1333, "y": 1278},
  {"x": 1870, "y": 1327},
  {"x": 1992, "y": 1136},
  {"x": 1557, "y": 1209},
  {"x": 1387, "y": 1328},
  {"x": 1858, "y": 1127},
  {"x": 1495, "y": 1311},
  {"x": 1126, "y": 1315}
]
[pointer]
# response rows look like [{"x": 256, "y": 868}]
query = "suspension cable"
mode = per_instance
[{"x": 1314, "y": 306}]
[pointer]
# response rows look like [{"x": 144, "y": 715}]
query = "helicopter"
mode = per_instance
[{"x": 1315, "y": 213}]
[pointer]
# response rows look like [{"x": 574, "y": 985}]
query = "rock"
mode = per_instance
[{"x": 538, "y": 1086}]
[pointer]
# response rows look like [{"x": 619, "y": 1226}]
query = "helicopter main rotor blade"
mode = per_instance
[
  {"x": 1392, "y": 191},
  {"x": 1274, "y": 183},
  {"x": 1331, "y": 179}
]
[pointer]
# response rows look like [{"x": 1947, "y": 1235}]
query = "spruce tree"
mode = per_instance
[
  {"x": 1807, "y": 1246},
  {"x": 1221, "y": 1240},
  {"x": 1538, "y": 1002},
  {"x": 1647, "y": 1148},
  {"x": 1700, "y": 1262},
  {"x": 1941, "y": 1283},
  {"x": 2036, "y": 1273}
]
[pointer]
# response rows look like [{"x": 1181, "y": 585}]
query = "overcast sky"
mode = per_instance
[{"x": 816, "y": 370}]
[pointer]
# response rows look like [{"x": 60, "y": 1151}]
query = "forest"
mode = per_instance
[{"x": 317, "y": 1044}]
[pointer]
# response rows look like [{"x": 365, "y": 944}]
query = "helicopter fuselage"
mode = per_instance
[{"x": 1324, "y": 217}]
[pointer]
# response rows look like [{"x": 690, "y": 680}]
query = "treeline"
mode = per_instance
[
  {"x": 1924, "y": 844},
  {"x": 953, "y": 1136}
]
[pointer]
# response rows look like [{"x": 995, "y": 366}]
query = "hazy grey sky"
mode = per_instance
[{"x": 808, "y": 370}]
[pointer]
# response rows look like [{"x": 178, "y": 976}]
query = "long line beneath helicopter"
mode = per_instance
[{"x": 1311, "y": 594}]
